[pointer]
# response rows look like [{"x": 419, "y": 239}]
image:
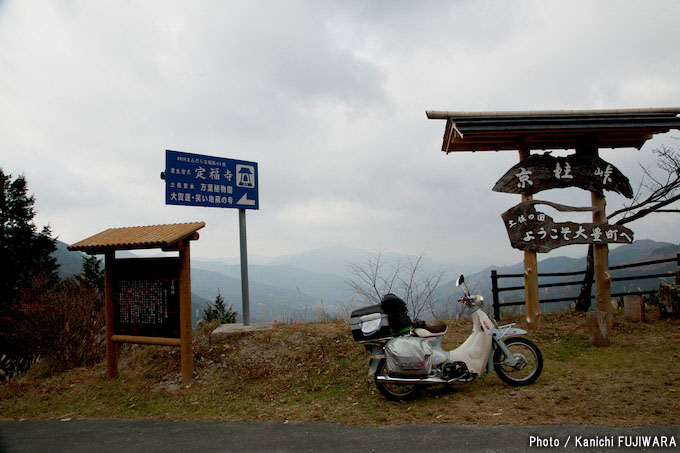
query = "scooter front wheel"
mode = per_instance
[
  {"x": 394, "y": 392},
  {"x": 530, "y": 363}
]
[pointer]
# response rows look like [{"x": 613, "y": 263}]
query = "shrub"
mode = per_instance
[
  {"x": 62, "y": 324},
  {"x": 219, "y": 311}
]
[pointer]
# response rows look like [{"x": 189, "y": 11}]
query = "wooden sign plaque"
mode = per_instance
[
  {"x": 529, "y": 229},
  {"x": 542, "y": 171}
]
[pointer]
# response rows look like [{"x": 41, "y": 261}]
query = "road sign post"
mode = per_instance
[
  {"x": 209, "y": 181},
  {"x": 245, "y": 297}
]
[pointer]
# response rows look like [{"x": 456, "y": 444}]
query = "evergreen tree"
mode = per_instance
[
  {"x": 25, "y": 257},
  {"x": 92, "y": 274},
  {"x": 220, "y": 311},
  {"x": 23, "y": 252}
]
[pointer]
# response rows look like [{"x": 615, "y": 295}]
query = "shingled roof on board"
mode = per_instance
[
  {"x": 138, "y": 237},
  {"x": 553, "y": 129}
]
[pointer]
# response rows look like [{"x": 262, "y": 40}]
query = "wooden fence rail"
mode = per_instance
[{"x": 495, "y": 289}]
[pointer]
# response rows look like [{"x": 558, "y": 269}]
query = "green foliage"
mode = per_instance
[
  {"x": 23, "y": 252},
  {"x": 219, "y": 311},
  {"x": 24, "y": 255},
  {"x": 92, "y": 274}
]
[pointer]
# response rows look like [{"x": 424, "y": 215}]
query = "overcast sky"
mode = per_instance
[{"x": 329, "y": 97}]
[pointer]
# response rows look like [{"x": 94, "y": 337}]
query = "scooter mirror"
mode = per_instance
[{"x": 460, "y": 280}]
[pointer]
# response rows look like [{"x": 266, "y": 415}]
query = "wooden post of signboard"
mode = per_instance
[
  {"x": 603, "y": 281},
  {"x": 533, "y": 306},
  {"x": 185, "y": 310},
  {"x": 111, "y": 346}
]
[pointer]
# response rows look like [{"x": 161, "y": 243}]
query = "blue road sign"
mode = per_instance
[{"x": 216, "y": 182}]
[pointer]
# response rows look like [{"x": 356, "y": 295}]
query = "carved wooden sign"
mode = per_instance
[
  {"x": 542, "y": 172},
  {"x": 529, "y": 229}
]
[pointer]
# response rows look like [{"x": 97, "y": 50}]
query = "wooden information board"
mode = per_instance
[{"x": 146, "y": 297}]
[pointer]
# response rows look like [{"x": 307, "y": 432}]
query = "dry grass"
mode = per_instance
[{"x": 316, "y": 372}]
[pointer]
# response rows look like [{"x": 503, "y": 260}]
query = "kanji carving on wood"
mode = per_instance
[
  {"x": 529, "y": 229},
  {"x": 542, "y": 171}
]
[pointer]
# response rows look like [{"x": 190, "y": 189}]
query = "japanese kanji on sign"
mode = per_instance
[
  {"x": 529, "y": 229},
  {"x": 197, "y": 180},
  {"x": 543, "y": 171}
]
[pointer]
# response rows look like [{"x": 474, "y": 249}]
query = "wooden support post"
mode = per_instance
[
  {"x": 111, "y": 346},
  {"x": 533, "y": 306},
  {"x": 634, "y": 307},
  {"x": 603, "y": 281},
  {"x": 185, "y": 311},
  {"x": 598, "y": 330}
]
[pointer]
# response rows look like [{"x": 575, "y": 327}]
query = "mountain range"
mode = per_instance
[
  {"x": 296, "y": 287},
  {"x": 642, "y": 250}
]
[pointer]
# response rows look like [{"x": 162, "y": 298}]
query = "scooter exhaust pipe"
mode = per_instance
[{"x": 416, "y": 381}]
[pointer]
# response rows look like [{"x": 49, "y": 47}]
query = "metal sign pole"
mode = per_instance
[{"x": 244, "y": 266}]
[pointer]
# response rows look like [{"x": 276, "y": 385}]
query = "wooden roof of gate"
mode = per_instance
[
  {"x": 553, "y": 129},
  {"x": 139, "y": 237}
]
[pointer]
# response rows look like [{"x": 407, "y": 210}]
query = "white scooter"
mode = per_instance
[{"x": 516, "y": 360}]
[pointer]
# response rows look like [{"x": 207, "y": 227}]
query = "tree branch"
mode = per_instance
[{"x": 643, "y": 212}]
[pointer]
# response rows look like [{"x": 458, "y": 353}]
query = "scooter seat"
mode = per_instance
[{"x": 430, "y": 331}]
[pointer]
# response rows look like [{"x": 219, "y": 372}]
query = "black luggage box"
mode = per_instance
[
  {"x": 369, "y": 324},
  {"x": 374, "y": 323}
]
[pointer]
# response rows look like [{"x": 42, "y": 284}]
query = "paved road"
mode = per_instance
[{"x": 155, "y": 435}]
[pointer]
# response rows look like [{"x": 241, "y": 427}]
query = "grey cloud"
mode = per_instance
[{"x": 328, "y": 97}]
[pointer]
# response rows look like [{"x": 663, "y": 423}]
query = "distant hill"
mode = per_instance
[
  {"x": 267, "y": 302},
  {"x": 330, "y": 287},
  {"x": 70, "y": 263},
  {"x": 308, "y": 279},
  {"x": 297, "y": 286}
]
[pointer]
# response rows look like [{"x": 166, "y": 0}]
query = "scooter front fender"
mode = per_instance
[
  {"x": 507, "y": 332},
  {"x": 513, "y": 332}
]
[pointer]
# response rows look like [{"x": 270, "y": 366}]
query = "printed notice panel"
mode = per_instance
[
  {"x": 146, "y": 297},
  {"x": 216, "y": 182}
]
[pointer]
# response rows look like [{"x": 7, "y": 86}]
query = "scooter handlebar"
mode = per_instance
[{"x": 471, "y": 299}]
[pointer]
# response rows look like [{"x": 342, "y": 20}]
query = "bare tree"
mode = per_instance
[
  {"x": 655, "y": 194},
  {"x": 371, "y": 280},
  {"x": 405, "y": 277}
]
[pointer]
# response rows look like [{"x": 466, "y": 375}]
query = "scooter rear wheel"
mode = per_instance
[
  {"x": 394, "y": 392},
  {"x": 532, "y": 362}
]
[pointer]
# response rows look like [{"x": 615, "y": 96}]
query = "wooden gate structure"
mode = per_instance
[
  {"x": 148, "y": 300},
  {"x": 585, "y": 131}
]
